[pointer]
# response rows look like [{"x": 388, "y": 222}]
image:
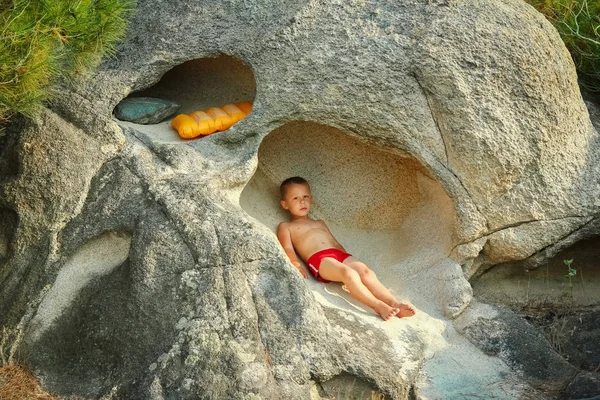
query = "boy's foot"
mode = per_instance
[
  {"x": 405, "y": 310},
  {"x": 386, "y": 312}
]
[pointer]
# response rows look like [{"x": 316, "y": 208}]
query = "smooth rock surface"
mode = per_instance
[{"x": 145, "y": 110}]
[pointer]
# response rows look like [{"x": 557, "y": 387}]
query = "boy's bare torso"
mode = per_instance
[{"x": 310, "y": 236}]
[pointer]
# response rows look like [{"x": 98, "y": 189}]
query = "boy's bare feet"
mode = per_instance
[
  {"x": 386, "y": 312},
  {"x": 405, "y": 310}
]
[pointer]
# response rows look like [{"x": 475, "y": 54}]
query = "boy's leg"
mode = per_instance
[
  {"x": 370, "y": 280},
  {"x": 333, "y": 270}
]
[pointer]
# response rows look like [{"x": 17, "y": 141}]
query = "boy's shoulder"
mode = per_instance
[{"x": 283, "y": 224}]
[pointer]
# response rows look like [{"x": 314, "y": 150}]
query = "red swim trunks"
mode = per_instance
[{"x": 314, "y": 262}]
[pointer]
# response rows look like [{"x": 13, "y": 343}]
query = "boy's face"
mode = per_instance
[{"x": 297, "y": 200}]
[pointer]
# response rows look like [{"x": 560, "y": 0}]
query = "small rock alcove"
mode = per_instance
[
  {"x": 385, "y": 207},
  {"x": 198, "y": 84},
  {"x": 512, "y": 284}
]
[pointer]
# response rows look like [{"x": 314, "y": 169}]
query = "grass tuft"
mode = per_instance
[{"x": 17, "y": 382}]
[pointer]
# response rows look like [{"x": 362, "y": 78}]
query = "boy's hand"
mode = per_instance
[{"x": 302, "y": 270}]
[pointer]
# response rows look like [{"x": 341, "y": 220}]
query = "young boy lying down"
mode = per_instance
[{"x": 325, "y": 257}]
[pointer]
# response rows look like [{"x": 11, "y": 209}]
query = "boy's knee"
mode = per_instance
[
  {"x": 363, "y": 270},
  {"x": 349, "y": 274},
  {"x": 365, "y": 273}
]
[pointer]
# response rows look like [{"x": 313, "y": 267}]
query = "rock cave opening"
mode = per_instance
[
  {"x": 514, "y": 285},
  {"x": 383, "y": 206},
  {"x": 197, "y": 84}
]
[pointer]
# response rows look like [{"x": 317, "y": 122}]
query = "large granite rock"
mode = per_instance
[{"x": 439, "y": 137}]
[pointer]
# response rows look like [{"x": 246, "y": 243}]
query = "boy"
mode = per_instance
[{"x": 325, "y": 257}]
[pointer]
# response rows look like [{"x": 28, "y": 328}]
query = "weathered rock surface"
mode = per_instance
[
  {"x": 582, "y": 343},
  {"x": 594, "y": 110},
  {"x": 500, "y": 332},
  {"x": 586, "y": 385},
  {"x": 437, "y": 135}
]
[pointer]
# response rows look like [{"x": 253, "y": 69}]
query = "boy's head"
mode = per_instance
[
  {"x": 296, "y": 196},
  {"x": 294, "y": 180}
]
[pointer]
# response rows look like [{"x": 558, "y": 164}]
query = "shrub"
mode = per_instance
[
  {"x": 16, "y": 382},
  {"x": 578, "y": 22},
  {"x": 42, "y": 40}
]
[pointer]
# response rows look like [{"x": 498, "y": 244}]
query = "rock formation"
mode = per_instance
[{"x": 440, "y": 138}]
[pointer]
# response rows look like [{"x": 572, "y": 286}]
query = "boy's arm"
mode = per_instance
[
  {"x": 283, "y": 234},
  {"x": 338, "y": 243}
]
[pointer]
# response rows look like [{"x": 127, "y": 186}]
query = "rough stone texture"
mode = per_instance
[
  {"x": 580, "y": 341},
  {"x": 519, "y": 243},
  {"x": 145, "y": 110},
  {"x": 594, "y": 110},
  {"x": 500, "y": 332},
  {"x": 439, "y": 136},
  {"x": 472, "y": 95},
  {"x": 586, "y": 385},
  {"x": 45, "y": 185}
]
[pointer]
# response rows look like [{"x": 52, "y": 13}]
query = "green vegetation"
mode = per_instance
[
  {"x": 43, "y": 40},
  {"x": 571, "y": 272},
  {"x": 578, "y": 22}
]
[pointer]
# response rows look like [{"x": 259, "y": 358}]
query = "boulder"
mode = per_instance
[
  {"x": 438, "y": 136},
  {"x": 500, "y": 332}
]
